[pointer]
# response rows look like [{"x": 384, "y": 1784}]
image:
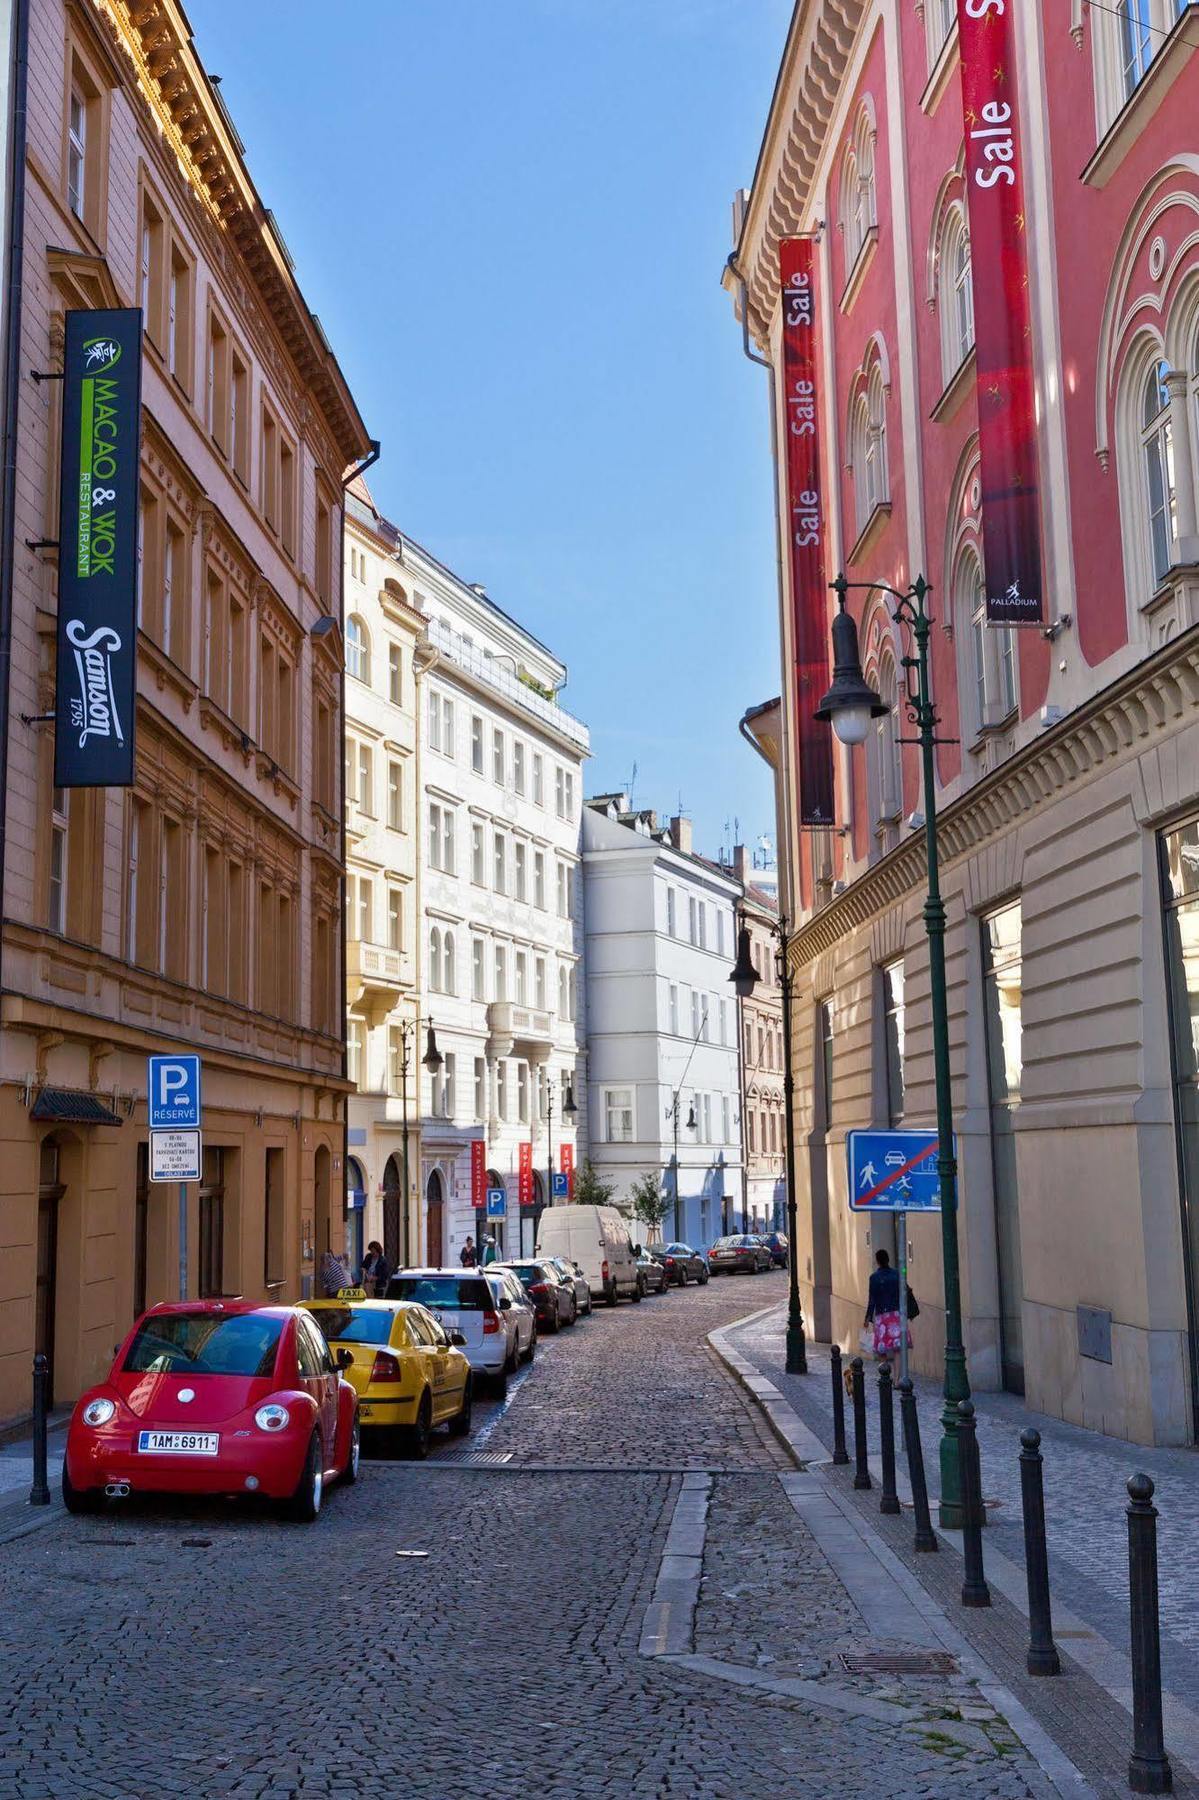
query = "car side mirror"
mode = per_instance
[
  {"x": 457, "y": 1338},
  {"x": 345, "y": 1359},
  {"x": 505, "y": 1303},
  {"x": 578, "y": 1268}
]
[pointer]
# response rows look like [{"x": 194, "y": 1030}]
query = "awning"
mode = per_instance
[{"x": 70, "y": 1106}]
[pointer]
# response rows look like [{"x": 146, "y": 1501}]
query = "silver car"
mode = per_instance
[
  {"x": 467, "y": 1300},
  {"x": 573, "y": 1275},
  {"x": 522, "y": 1311}
]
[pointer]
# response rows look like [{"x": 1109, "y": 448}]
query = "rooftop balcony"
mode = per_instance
[{"x": 495, "y": 673}]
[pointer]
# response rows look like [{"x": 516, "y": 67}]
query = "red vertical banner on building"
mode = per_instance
[
  {"x": 478, "y": 1173},
  {"x": 1002, "y": 315},
  {"x": 566, "y": 1163},
  {"x": 525, "y": 1174},
  {"x": 805, "y": 532}
]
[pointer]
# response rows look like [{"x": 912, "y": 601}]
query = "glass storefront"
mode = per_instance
[{"x": 1180, "y": 900}]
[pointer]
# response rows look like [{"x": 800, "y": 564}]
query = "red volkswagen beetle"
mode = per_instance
[{"x": 215, "y": 1397}]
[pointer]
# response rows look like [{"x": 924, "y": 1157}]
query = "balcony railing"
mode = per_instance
[
  {"x": 374, "y": 966},
  {"x": 526, "y": 1024},
  {"x": 493, "y": 672}
]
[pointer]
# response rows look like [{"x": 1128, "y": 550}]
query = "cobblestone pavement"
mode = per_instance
[
  {"x": 1085, "y": 1498},
  {"x": 194, "y": 1651}
]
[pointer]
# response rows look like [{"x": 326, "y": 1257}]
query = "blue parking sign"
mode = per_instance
[
  {"x": 173, "y": 1093},
  {"x": 893, "y": 1171},
  {"x": 497, "y": 1203},
  {"x": 561, "y": 1185}
]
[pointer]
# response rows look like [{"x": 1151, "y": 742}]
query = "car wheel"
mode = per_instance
[
  {"x": 350, "y": 1472},
  {"x": 513, "y": 1362},
  {"x": 80, "y": 1500},
  {"x": 635, "y": 1296},
  {"x": 590, "y": 1306},
  {"x": 553, "y": 1324},
  {"x": 531, "y": 1352},
  {"x": 499, "y": 1384},
  {"x": 460, "y": 1423},
  {"x": 574, "y": 1310},
  {"x": 705, "y": 1278},
  {"x": 305, "y": 1504},
  {"x": 418, "y": 1434},
  {"x": 610, "y": 1296}
]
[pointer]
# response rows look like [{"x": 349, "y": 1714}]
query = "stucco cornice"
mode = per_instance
[
  {"x": 1150, "y": 703},
  {"x": 806, "y": 93}
]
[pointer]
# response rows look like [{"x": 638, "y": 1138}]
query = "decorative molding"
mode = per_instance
[{"x": 1135, "y": 714}]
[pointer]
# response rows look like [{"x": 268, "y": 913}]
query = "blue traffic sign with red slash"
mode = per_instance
[{"x": 893, "y": 1171}]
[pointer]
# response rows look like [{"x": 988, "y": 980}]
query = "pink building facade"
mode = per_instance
[{"x": 1069, "y": 784}]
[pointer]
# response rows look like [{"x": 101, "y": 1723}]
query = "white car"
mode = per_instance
[
  {"x": 473, "y": 1302},
  {"x": 522, "y": 1313}
]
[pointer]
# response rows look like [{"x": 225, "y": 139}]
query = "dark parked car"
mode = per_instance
[
  {"x": 776, "y": 1243},
  {"x": 552, "y": 1295},
  {"x": 682, "y": 1263},
  {"x": 650, "y": 1271},
  {"x": 574, "y": 1277},
  {"x": 742, "y": 1254}
]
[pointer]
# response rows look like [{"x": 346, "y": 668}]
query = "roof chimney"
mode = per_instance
[
  {"x": 741, "y": 867},
  {"x": 680, "y": 834}
]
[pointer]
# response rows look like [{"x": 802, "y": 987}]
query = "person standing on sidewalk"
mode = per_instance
[
  {"x": 882, "y": 1309},
  {"x": 468, "y": 1256}
]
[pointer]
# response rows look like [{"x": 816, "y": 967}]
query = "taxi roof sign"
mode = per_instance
[{"x": 351, "y": 1293}]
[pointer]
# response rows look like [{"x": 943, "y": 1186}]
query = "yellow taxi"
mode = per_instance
[{"x": 408, "y": 1371}]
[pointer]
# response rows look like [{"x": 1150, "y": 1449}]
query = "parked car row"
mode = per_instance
[{"x": 229, "y": 1397}]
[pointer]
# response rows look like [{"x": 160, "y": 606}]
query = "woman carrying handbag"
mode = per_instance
[{"x": 882, "y": 1310}]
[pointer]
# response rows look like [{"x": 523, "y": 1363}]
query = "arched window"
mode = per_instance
[
  {"x": 435, "y": 960},
  {"x": 448, "y": 973},
  {"x": 876, "y": 466},
  {"x": 859, "y": 445},
  {"x": 1136, "y": 41},
  {"x": 358, "y": 649},
  {"x": 955, "y": 293},
  {"x": 1157, "y": 453},
  {"x": 992, "y": 670},
  {"x": 890, "y": 768},
  {"x": 850, "y": 208}
]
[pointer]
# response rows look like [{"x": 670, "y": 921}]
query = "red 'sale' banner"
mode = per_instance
[
  {"x": 566, "y": 1163},
  {"x": 478, "y": 1173},
  {"x": 525, "y": 1174},
  {"x": 1002, "y": 317},
  {"x": 805, "y": 533}
]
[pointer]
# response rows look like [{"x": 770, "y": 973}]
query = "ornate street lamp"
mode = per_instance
[
  {"x": 569, "y": 1110},
  {"x": 849, "y": 706},
  {"x": 744, "y": 978}
]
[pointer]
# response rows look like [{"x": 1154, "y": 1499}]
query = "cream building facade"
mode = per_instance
[
  {"x": 199, "y": 909},
  {"x": 382, "y": 691},
  {"x": 763, "y": 1132}
]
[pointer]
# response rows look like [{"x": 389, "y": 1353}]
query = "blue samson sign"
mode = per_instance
[{"x": 97, "y": 550}]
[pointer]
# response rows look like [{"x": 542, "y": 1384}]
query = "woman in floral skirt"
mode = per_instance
[{"x": 882, "y": 1311}]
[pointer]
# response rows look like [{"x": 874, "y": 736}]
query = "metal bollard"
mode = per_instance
[
  {"x": 926, "y": 1537},
  {"x": 886, "y": 1430},
  {"x": 840, "y": 1453},
  {"x": 861, "y": 1474},
  {"x": 975, "y": 1591},
  {"x": 1149, "y": 1769},
  {"x": 39, "y": 1493},
  {"x": 1043, "y": 1658}
]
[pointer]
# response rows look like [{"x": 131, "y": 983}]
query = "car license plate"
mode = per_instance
[{"x": 179, "y": 1443}]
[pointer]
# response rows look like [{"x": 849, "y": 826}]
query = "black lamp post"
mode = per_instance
[
  {"x": 849, "y": 706},
  {"x": 674, "y": 1113},
  {"x": 744, "y": 979},
  {"x": 569, "y": 1109},
  {"x": 395, "y": 1230}
]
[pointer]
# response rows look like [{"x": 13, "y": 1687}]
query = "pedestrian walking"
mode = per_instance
[
  {"x": 490, "y": 1253},
  {"x": 376, "y": 1270},
  {"x": 882, "y": 1309},
  {"x": 334, "y": 1274},
  {"x": 468, "y": 1256}
]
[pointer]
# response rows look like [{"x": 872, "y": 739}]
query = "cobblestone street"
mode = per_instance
[{"x": 194, "y": 1652}]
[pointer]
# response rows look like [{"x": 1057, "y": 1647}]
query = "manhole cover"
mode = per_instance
[
  {"x": 490, "y": 1459},
  {"x": 899, "y": 1662}
]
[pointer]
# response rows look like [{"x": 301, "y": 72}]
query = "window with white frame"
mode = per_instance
[
  {"x": 868, "y": 448},
  {"x": 940, "y": 17},
  {"x": 671, "y": 919},
  {"x": 570, "y": 794},
  {"x": 478, "y": 977},
  {"x": 1157, "y": 462},
  {"x": 478, "y": 872},
  {"x": 955, "y": 292},
  {"x": 501, "y": 1088},
  {"x": 518, "y": 765},
  {"x": 435, "y": 976},
  {"x": 1126, "y": 35},
  {"x": 354, "y": 1053},
  {"x": 395, "y": 795},
  {"x": 360, "y": 894},
  {"x": 692, "y": 919},
  {"x": 441, "y": 838},
  {"x": 449, "y": 968},
  {"x": 476, "y": 743},
  {"x": 366, "y": 779},
  {"x": 560, "y": 792},
  {"x": 540, "y": 998},
  {"x": 538, "y": 779},
  {"x": 673, "y": 1009},
  {"x": 501, "y": 972},
  {"x": 480, "y": 1090},
  {"x": 707, "y": 1118},
  {"x": 889, "y": 768},
  {"x": 520, "y": 879},
  {"x": 522, "y": 1092},
  {"x": 441, "y": 723},
  {"x": 395, "y": 674},
  {"x": 563, "y": 993},
  {"x": 724, "y": 1020},
  {"x": 358, "y": 649},
  {"x": 59, "y": 828},
  {"x": 990, "y": 680},
  {"x": 696, "y": 1012},
  {"x": 497, "y": 757},
  {"x": 539, "y": 879},
  {"x": 500, "y": 864},
  {"x": 618, "y": 1115},
  {"x": 522, "y": 977},
  {"x": 563, "y": 909},
  {"x": 719, "y": 932},
  {"x": 858, "y": 202},
  {"x": 726, "y": 1119},
  {"x": 395, "y": 919}
]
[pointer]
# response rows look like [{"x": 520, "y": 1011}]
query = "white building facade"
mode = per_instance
[
  {"x": 382, "y": 821},
  {"x": 501, "y": 926},
  {"x": 662, "y": 1018}
]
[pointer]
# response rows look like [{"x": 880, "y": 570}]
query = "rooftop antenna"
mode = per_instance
[{"x": 632, "y": 786}]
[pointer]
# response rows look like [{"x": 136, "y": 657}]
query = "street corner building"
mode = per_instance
[
  {"x": 182, "y": 892},
  {"x": 968, "y": 258}
]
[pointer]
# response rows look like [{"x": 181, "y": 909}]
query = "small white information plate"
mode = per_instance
[{"x": 174, "y": 1156}]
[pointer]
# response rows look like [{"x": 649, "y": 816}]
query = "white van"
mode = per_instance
[{"x": 597, "y": 1238}]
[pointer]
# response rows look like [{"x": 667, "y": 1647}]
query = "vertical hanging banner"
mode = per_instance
[
  {"x": 1002, "y": 316},
  {"x": 97, "y": 549},
  {"x": 524, "y": 1177},
  {"x": 566, "y": 1162},
  {"x": 478, "y": 1173},
  {"x": 805, "y": 532}
]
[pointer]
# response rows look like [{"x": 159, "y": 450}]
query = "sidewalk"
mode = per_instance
[
  {"x": 1085, "y": 1498},
  {"x": 17, "y": 1517}
]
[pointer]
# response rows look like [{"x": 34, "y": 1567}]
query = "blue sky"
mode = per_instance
[{"x": 511, "y": 216}]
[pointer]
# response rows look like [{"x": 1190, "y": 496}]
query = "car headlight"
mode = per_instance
[
  {"x": 272, "y": 1417},
  {"x": 98, "y": 1412}
]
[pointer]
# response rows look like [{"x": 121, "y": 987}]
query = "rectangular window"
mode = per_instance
[
  {"x": 522, "y": 1092},
  {"x": 395, "y": 1059},
  {"x": 480, "y": 1091},
  {"x": 478, "y": 978},
  {"x": 274, "y": 1252},
  {"x": 520, "y": 870},
  {"x": 395, "y": 919},
  {"x": 724, "y": 1021},
  {"x": 354, "y": 1058},
  {"x": 1002, "y": 1018},
  {"x": 501, "y": 973},
  {"x": 77, "y": 152},
  {"x": 500, "y": 870},
  {"x": 395, "y": 795},
  {"x": 366, "y": 779},
  {"x": 434, "y": 721},
  {"x": 522, "y": 978},
  {"x": 560, "y": 792},
  {"x": 447, "y": 727},
  {"x": 707, "y": 1118},
  {"x": 570, "y": 794},
  {"x": 671, "y": 921},
  {"x": 239, "y": 417},
  {"x": 673, "y": 1010},
  {"x": 538, "y": 779},
  {"x": 720, "y": 950},
  {"x": 726, "y": 1136},
  {"x": 57, "y": 907},
  {"x": 210, "y": 1276},
  {"x": 501, "y": 1088},
  {"x": 892, "y": 991},
  {"x": 477, "y": 872},
  {"x": 703, "y": 926},
  {"x": 563, "y": 909},
  {"x": 540, "y": 993},
  {"x": 395, "y": 674},
  {"x": 518, "y": 766},
  {"x": 692, "y": 920},
  {"x": 476, "y": 743},
  {"x": 366, "y": 909},
  {"x": 449, "y": 1086},
  {"x": 287, "y": 497},
  {"x": 539, "y": 879},
  {"x": 696, "y": 1015},
  {"x": 172, "y": 922},
  {"x": 824, "y": 1038},
  {"x": 618, "y": 1115},
  {"x": 497, "y": 757}
]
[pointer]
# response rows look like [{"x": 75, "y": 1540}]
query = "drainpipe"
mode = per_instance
[
  {"x": 360, "y": 467},
  {"x": 14, "y": 272}
]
